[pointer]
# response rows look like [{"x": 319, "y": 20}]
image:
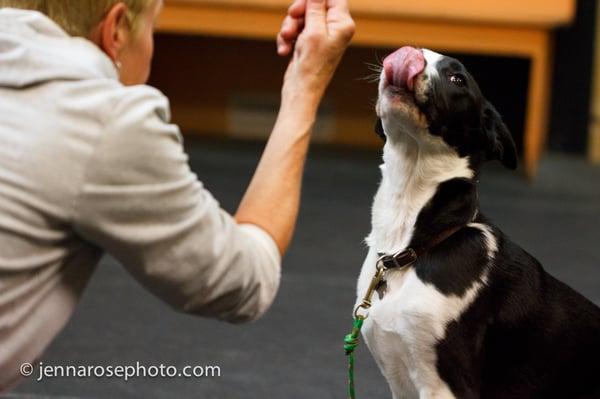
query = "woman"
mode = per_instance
[{"x": 89, "y": 163}]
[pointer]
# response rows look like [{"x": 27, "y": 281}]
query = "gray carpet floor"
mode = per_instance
[{"x": 296, "y": 350}]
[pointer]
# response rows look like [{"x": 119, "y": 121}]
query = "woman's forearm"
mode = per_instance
[
  {"x": 273, "y": 197},
  {"x": 323, "y": 29}
]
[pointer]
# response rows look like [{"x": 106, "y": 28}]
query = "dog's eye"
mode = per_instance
[{"x": 458, "y": 79}]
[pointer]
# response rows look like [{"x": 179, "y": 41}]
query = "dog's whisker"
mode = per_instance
[
  {"x": 375, "y": 68},
  {"x": 373, "y": 78},
  {"x": 379, "y": 58}
]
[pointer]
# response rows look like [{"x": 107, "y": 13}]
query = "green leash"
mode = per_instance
[
  {"x": 350, "y": 343},
  {"x": 351, "y": 340}
]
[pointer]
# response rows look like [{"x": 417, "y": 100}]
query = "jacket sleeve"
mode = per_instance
[{"x": 141, "y": 203}]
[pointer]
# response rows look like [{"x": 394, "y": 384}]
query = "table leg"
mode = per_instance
[{"x": 538, "y": 103}]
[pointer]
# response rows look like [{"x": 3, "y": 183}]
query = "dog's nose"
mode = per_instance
[{"x": 402, "y": 66}]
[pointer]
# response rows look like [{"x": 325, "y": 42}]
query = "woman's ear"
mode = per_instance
[
  {"x": 499, "y": 142},
  {"x": 112, "y": 33}
]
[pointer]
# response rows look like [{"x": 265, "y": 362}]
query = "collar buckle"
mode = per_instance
[{"x": 399, "y": 260}]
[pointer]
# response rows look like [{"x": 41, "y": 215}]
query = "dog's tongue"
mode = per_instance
[{"x": 403, "y": 66}]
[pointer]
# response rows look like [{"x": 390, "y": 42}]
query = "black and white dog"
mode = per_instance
[{"x": 475, "y": 316}]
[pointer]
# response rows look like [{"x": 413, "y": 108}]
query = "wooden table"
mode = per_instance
[{"x": 517, "y": 28}]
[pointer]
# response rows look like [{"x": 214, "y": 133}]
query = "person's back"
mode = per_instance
[
  {"x": 42, "y": 158},
  {"x": 86, "y": 162}
]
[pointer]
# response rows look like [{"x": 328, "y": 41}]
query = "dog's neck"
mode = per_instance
[{"x": 425, "y": 188}]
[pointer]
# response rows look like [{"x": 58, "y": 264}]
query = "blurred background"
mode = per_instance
[
  {"x": 215, "y": 60},
  {"x": 534, "y": 60}
]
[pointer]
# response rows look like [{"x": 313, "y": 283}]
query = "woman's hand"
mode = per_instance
[{"x": 321, "y": 30}]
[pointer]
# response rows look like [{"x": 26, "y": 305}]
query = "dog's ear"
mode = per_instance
[
  {"x": 379, "y": 129},
  {"x": 498, "y": 140}
]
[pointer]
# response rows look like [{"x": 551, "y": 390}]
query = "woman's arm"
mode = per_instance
[
  {"x": 323, "y": 29},
  {"x": 141, "y": 203}
]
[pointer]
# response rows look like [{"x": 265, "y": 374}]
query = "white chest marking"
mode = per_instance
[{"x": 410, "y": 177}]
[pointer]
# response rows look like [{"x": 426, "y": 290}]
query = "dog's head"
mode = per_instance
[{"x": 434, "y": 100}]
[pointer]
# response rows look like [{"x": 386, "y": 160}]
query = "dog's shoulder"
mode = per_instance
[{"x": 456, "y": 264}]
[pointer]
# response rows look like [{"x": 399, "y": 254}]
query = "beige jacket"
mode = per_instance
[{"x": 88, "y": 165}]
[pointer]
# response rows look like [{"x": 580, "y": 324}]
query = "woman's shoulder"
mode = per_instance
[
  {"x": 136, "y": 117},
  {"x": 141, "y": 100},
  {"x": 111, "y": 100}
]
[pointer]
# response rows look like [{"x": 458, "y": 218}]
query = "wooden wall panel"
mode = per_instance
[
  {"x": 530, "y": 12},
  {"x": 206, "y": 77}
]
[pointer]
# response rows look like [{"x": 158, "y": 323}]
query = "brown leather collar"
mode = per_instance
[{"x": 407, "y": 257}]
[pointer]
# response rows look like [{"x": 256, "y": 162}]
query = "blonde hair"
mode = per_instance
[{"x": 80, "y": 17}]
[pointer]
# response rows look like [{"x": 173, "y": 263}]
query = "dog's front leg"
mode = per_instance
[
  {"x": 429, "y": 384},
  {"x": 399, "y": 391},
  {"x": 436, "y": 393},
  {"x": 434, "y": 380},
  {"x": 440, "y": 365},
  {"x": 443, "y": 392}
]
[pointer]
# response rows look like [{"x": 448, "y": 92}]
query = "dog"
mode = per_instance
[{"x": 474, "y": 316}]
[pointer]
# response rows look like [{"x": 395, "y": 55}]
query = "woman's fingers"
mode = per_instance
[
  {"x": 283, "y": 48},
  {"x": 285, "y": 36},
  {"x": 290, "y": 30},
  {"x": 297, "y": 9},
  {"x": 340, "y": 24}
]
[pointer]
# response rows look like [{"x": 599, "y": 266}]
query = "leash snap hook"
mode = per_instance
[{"x": 366, "y": 302}]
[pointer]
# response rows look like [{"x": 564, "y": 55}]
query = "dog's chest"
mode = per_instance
[{"x": 403, "y": 329}]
